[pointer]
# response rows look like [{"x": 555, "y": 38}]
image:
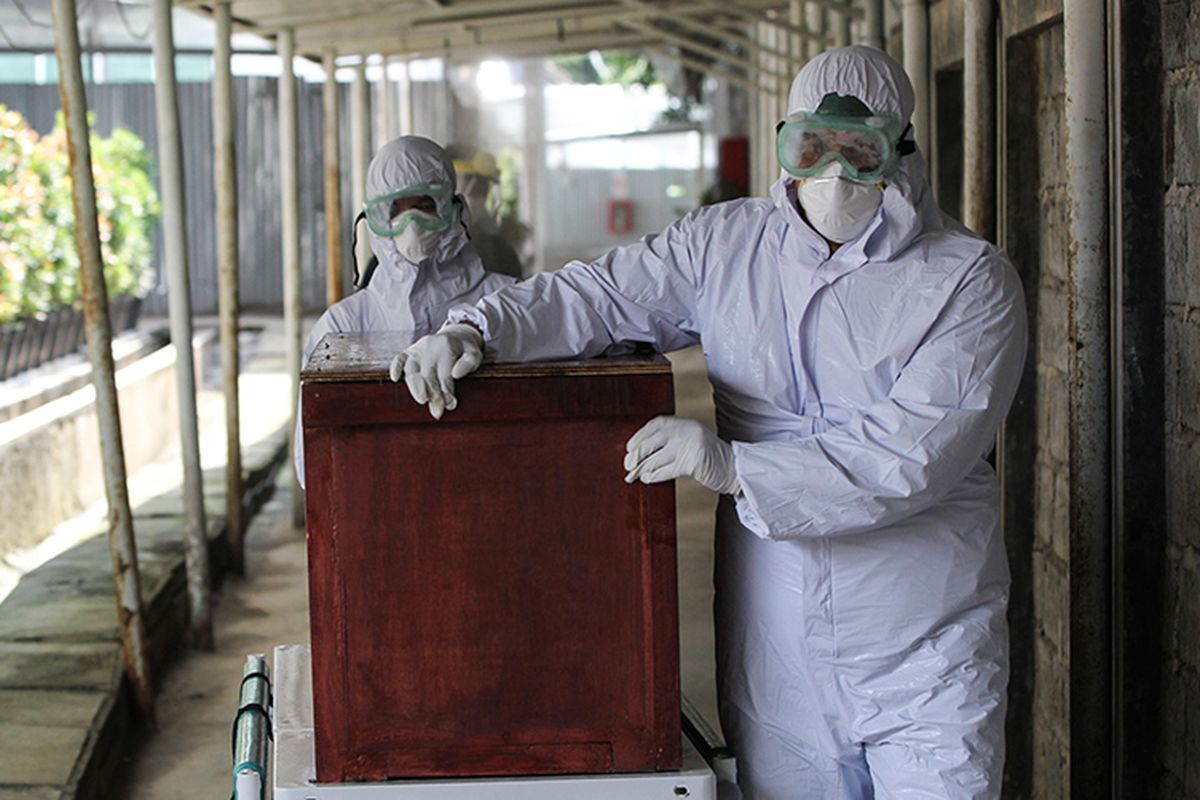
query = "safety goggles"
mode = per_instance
[
  {"x": 389, "y": 214},
  {"x": 868, "y": 147}
]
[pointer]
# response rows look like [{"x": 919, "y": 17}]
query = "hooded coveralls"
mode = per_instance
[
  {"x": 861, "y": 577},
  {"x": 402, "y": 295}
]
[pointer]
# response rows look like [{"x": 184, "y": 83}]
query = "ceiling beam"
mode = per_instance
[
  {"x": 408, "y": 37},
  {"x": 529, "y": 48},
  {"x": 700, "y": 48}
]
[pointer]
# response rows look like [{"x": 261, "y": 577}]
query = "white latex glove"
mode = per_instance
[
  {"x": 434, "y": 362},
  {"x": 670, "y": 447}
]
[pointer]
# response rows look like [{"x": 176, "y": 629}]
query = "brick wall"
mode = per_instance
[{"x": 1180, "y": 738}]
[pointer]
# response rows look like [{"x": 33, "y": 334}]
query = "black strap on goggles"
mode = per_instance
[
  {"x": 360, "y": 279},
  {"x": 906, "y": 146}
]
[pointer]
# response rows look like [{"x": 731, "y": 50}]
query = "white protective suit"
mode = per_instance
[
  {"x": 861, "y": 576},
  {"x": 402, "y": 295}
]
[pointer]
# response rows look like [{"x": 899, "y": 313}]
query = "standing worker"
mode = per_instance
[
  {"x": 418, "y": 229},
  {"x": 863, "y": 349},
  {"x": 478, "y": 182}
]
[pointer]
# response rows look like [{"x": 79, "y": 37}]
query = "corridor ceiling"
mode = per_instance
[{"x": 474, "y": 29}]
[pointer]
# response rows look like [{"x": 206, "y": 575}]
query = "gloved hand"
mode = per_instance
[
  {"x": 432, "y": 365},
  {"x": 671, "y": 447}
]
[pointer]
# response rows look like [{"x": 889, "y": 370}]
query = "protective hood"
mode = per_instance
[
  {"x": 410, "y": 161},
  {"x": 875, "y": 78}
]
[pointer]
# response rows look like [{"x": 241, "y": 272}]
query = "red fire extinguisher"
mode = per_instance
[{"x": 620, "y": 215}]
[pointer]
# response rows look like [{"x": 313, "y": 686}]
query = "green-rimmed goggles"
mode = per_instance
[
  {"x": 430, "y": 206},
  {"x": 868, "y": 146}
]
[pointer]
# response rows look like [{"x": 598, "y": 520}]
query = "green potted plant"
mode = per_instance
[{"x": 40, "y": 315}]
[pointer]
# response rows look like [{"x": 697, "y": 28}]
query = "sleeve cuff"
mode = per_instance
[
  {"x": 473, "y": 315},
  {"x": 759, "y": 508}
]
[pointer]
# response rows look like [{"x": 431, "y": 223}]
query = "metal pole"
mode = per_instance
[
  {"x": 841, "y": 27},
  {"x": 979, "y": 157},
  {"x": 814, "y": 16},
  {"x": 227, "y": 276},
  {"x": 360, "y": 148},
  {"x": 797, "y": 44},
  {"x": 385, "y": 118},
  {"x": 535, "y": 153},
  {"x": 405, "y": 118},
  {"x": 289, "y": 191},
  {"x": 759, "y": 110},
  {"x": 1086, "y": 86},
  {"x": 122, "y": 545},
  {"x": 915, "y": 22},
  {"x": 179, "y": 303},
  {"x": 873, "y": 25},
  {"x": 333, "y": 184}
]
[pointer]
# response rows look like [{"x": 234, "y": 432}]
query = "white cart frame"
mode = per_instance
[{"x": 293, "y": 770}]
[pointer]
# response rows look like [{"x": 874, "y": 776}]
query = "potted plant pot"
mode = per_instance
[
  {"x": 19, "y": 355},
  {"x": 8, "y": 334},
  {"x": 60, "y": 320},
  {"x": 134, "y": 312},
  {"x": 45, "y": 347},
  {"x": 78, "y": 330}
]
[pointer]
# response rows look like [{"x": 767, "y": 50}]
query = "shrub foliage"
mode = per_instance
[{"x": 39, "y": 265}]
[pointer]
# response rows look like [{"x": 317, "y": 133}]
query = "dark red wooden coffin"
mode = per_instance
[{"x": 488, "y": 596}]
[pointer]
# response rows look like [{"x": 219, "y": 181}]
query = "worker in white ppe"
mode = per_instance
[
  {"x": 863, "y": 348},
  {"x": 418, "y": 232}
]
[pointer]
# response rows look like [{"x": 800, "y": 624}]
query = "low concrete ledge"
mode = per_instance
[
  {"x": 59, "y": 438},
  {"x": 23, "y": 393},
  {"x": 65, "y": 706}
]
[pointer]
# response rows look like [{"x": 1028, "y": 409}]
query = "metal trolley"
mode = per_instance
[{"x": 281, "y": 715}]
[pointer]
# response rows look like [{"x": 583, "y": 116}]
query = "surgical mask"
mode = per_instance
[
  {"x": 837, "y": 207},
  {"x": 417, "y": 242}
]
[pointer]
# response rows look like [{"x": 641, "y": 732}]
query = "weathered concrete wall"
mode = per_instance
[
  {"x": 1051, "y": 543},
  {"x": 1180, "y": 751},
  {"x": 1037, "y": 521},
  {"x": 50, "y": 468}
]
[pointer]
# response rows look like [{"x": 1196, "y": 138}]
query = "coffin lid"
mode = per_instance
[{"x": 346, "y": 357}]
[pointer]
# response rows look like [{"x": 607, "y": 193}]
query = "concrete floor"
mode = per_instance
[{"x": 188, "y": 756}]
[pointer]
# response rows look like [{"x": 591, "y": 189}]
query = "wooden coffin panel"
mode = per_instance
[{"x": 488, "y": 597}]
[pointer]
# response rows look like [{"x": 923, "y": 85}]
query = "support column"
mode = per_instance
[
  {"x": 535, "y": 153},
  {"x": 385, "y": 117},
  {"x": 814, "y": 17},
  {"x": 289, "y": 197},
  {"x": 979, "y": 115},
  {"x": 360, "y": 148},
  {"x": 122, "y": 545},
  {"x": 915, "y": 21},
  {"x": 765, "y": 96},
  {"x": 333, "y": 183},
  {"x": 840, "y": 23},
  {"x": 225, "y": 161},
  {"x": 179, "y": 304},
  {"x": 405, "y": 118},
  {"x": 1086, "y": 50},
  {"x": 873, "y": 24}
]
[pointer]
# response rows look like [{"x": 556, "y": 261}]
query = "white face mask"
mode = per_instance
[
  {"x": 839, "y": 208},
  {"x": 416, "y": 243}
]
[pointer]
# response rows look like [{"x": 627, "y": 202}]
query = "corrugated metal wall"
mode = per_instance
[
  {"x": 132, "y": 106},
  {"x": 577, "y": 209}
]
